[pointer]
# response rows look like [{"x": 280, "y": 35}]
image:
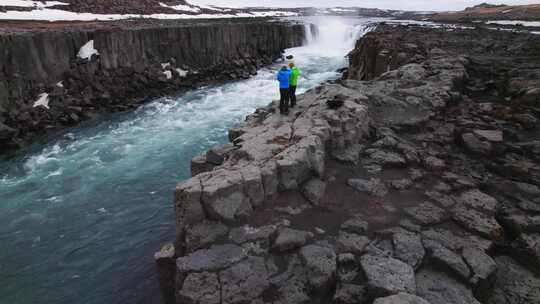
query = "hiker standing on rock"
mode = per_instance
[
  {"x": 284, "y": 78},
  {"x": 295, "y": 73}
]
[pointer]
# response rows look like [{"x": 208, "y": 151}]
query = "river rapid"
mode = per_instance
[{"x": 81, "y": 218}]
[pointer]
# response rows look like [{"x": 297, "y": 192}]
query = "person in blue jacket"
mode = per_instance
[{"x": 284, "y": 78}]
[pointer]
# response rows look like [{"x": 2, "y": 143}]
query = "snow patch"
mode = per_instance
[
  {"x": 515, "y": 22},
  {"x": 28, "y": 3},
  {"x": 180, "y": 7},
  {"x": 182, "y": 73},
  {"x": 87, "y": 51},
  {"x": 43, "y": 100},
  {"x": 168, "y": 74},
  {"x": 62, "y": 15}
]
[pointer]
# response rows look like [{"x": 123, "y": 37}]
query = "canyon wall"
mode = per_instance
[{"x": 132, "y": 61}]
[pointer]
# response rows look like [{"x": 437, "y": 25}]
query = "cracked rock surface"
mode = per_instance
[{"x": 394, "y": 197}]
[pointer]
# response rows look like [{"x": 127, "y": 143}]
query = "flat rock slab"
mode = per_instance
[
  {"x": 244, "y": 281},
  {"x": 386, "y": 276},
  {"x": 448, "y": 258},
  {"x": 515, "y": 283},
  {"x": 439, "y": 288},
  {"x": 351, "y": 243},
  {"x": 200, "y": 288},
  {"x": 490, "y": 135},
  {"x": 289, "y": 239},
  {"x": 482, "y": 265},
  {"x": 320, "y": 264},
  {"x": 401, "y": 298},
  {"x": 204, "y": 234},
  {"x": 478, "y": 200},
  {"x": 355, "y": 225},
  {"x": 478, "y": 222},
  {"x": 373, "y": 186},
  {"x": 427, "y": 213},
  {"x": 408, "y": 248},
  {"x": 216, "y": 258}
]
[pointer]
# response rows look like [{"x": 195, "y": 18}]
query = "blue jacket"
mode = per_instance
[{"x": 284, "y": 78}]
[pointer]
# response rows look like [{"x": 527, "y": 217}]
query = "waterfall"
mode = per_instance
[{"x": 332, "y": 34}]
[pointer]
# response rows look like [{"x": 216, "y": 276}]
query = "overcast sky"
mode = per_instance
[{"x": 384, "y": 4}]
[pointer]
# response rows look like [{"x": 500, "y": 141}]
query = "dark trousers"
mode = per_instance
[
  {"x": 292, "y": 95},
  {"x": 284, "y": 100}
]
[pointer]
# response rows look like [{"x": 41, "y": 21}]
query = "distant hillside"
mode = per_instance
[{"x": 486, "y": 12}]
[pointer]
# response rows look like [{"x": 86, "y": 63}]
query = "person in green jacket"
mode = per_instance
[{"x": 295, "y": 73}]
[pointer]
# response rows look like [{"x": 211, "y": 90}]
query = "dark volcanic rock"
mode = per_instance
[
  {"x": 244, "y": 281},
  {"x": 439, "y": 288},
  {"x": 401, "y": 298},
  {"x": 216, "y": 258},
  {"x": 288, "y": 239},
  {"x": 514, "y": 284},
  {"x": 320, "y": 264},
  {"x": 199, "y": 288},
  {"x": 132, "y": 66},
  {"x": 386, "y": 276}
]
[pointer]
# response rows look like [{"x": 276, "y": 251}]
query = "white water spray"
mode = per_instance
[{"x": 334, "y": 36}]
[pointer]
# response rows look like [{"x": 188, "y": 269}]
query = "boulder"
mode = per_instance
[
  {"x": 474, "y": 144},
  {"x": 514, "y": 283},
  {"x": 355, "y": 225},
  {"x": 456, "y": 242},
  {"x": 373, "y": 186},
  {"x": 401, "y": 298},
  {"x": 165, "y": 263},
  {"x": 224, "y": 198},
  {"x": 241, "y": 235},
  {"x": 478, "y": 222},
  {"x": 482, "y": 265},
  {"x": 187, "y": 205},
  {"x": 244, "y": 281},
  {"x": 427, "y": 213},
  {"x": 204, "y": 234},
  {"x": 349, "y": 294},
  {"x": 408, "y": 248},
  {"x": 200, "y": 165},
  {"x": 320, "y": 265},
  {"x": 478, "y": 200},
  {"x": 200, "y": 288},
  {"x": 253, "y": 185},
  {"x": 351, "y": 243},
  {"x": 292, "y": 285},
  {"x": 387, "y": 159},
  {"x": 387, "y": 276},
  {"x": 447, "y": 258},
  {"x": 495, "y": 136},
  {"x": 300, "y": 162},
  {"x": 286, "y": 239},
  {"x": 314, "y": 191},
  {"x": 439, "y": 288},
  {"x": 216, "y": 258}
]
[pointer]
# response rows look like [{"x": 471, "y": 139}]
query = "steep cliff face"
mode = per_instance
[{"x": 88, "y": 69}]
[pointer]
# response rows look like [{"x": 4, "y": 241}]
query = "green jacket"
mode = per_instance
[{"x": 295, "y": 73}]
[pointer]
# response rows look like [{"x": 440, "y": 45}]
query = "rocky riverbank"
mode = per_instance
[
  {"x": 414, "y": 180},
  {"x": 55, "y": 75}
]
